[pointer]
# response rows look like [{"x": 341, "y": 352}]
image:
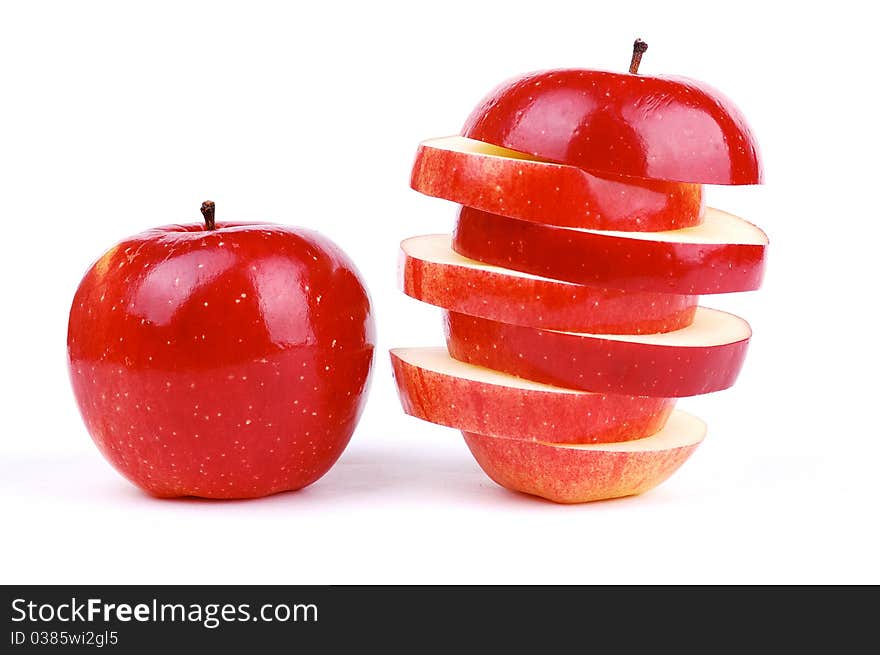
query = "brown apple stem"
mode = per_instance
[
  {"x": 639, "y": 48},
  {"x": 208, "y": 213}
]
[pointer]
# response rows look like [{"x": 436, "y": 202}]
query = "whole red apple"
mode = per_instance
[{"x": 227, "y": 360}]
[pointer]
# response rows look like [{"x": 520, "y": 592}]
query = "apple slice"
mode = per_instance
[
  {"x": 514, "y": 184},
  {"x": 434, "y": 387},
  {"x": 722, "y": 254},
  {"x": 706, "y": 356},
  {"x": 657, "y": 127},
  {"x": 432, "y": 272},
  {"x": 580, "y": 473}
]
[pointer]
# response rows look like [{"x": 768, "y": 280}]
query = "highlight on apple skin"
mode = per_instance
[
  {"x": 568, "y": 473},
  {"x": 509, "y": 183},
  {"x": 436, "y": 388},
  {"x": 226, "y": 360},
  {"x": 432, "y": 272}
]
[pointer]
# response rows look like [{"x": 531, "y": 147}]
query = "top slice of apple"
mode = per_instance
[{"x": 656, "y": 127}]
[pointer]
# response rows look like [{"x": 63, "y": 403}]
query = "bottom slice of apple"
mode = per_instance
[
  {"x": 436, "y": 388},
  {"x": 580, "y": 473}
]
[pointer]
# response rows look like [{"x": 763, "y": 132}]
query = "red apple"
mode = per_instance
[
  {"x": 574, "y": 473},
  {"x": 221, "y": 361},
  {"x": 722, "y": 254},
  {"x": 433, "y": 273},
  {"x": 434, "y": 387},
  {"x": 706, "y": 356},
  {"x": 506, "y": 182},
  {"x": 655, "y": 127}
]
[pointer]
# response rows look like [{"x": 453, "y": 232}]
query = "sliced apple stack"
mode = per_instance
[{"x": 571, "y": 281}]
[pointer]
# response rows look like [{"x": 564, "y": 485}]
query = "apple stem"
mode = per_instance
[
  {"x": 639, "y": 48},
  {"x": 208, "y": 213}
]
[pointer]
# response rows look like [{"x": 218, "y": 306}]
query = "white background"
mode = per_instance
[{"x": 116, "y": 117}]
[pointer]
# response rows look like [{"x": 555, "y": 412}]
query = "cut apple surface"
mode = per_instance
[
  {"x": 518, "y": 185},
  {"x": 434, "y": 387},
  {"x": 579, "y": 473},
  {"x": 432, "y": 272},
  {"x": 706, "y": 356},
  {"x": 723, "y": 254}
]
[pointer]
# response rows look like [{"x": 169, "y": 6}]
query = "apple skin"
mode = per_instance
[
  {"x": 592, "y": 363},
  {"x": 231, "y": 363},
  {"x": 574, "y": 475},
  {"x": 609, "y": 259},
  {"x": 552, "y": 193},
  {"x": 517, "y": 411},
  {"x": 655, "y": 127},
  {"x": 470, "y": 287}
]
